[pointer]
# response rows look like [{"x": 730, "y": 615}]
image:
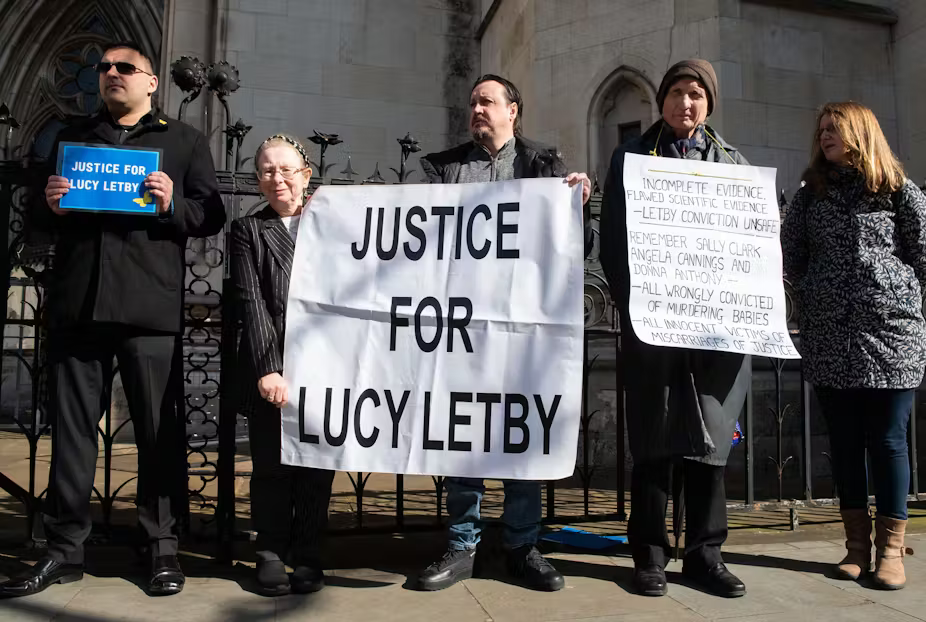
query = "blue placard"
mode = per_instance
[{"x": 104, "y": 178}]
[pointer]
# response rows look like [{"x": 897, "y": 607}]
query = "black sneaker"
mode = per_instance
[
  {"x": 454, "y": 566},
  {"x": 526, "y": 564}
]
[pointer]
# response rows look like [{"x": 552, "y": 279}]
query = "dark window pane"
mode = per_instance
[{"x": 628, "y": 131}]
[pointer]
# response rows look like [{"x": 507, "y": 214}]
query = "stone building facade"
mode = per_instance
[
  {"x": 373, "y": 70},
  {"x": 590, "y": 70}
]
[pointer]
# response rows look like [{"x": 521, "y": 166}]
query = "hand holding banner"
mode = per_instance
[
  {"x": 439, "y": 335},
  {"x": 704, "y": 255}
]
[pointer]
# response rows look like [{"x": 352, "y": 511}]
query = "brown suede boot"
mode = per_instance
[
  {"x": 889, "y": 572},
  {"x": 857, "y": 561}
]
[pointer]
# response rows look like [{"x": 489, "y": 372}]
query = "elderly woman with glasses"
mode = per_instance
[{"x": 289, "y": 505}]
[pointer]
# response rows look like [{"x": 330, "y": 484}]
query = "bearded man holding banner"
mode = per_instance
[
  {"x": 681, "y": 404},
  {"x": 498, "y": 152}
]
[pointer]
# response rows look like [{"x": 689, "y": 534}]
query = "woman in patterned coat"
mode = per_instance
[{"x": 854, "y": 243}]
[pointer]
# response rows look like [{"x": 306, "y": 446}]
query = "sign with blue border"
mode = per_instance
[{"x": 106, "y": 178}]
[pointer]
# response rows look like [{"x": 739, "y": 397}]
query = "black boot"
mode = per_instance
[
  {"x": 166, "y": 578},
  {"x": 307, "y": 579},
  {"x": 454, "y": 566},
  {"x": 45, "y": 572},
  {"x": 529, "y": 567},
  {"x": 272, "y": 579},
  {"x": 650, "y": 580},
  {"x": 714, "y": 578}
]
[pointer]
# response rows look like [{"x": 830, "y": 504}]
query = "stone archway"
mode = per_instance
[
  {"x": 623, "y": 106},
  {"x": 50, "y": 47}
]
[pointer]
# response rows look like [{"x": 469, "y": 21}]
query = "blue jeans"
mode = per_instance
[
  {"x": 876, "y": 420},
  {"x": 521, "y": 515}
]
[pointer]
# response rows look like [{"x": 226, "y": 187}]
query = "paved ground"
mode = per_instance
[
  {"x": 786, "y": 580},
  {"x": 785, "y": 571}
]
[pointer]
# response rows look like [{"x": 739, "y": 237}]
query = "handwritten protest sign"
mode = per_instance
[
  {"x": 106, "y": 178},
  {"x": 437, "y": 329},
  {"x": 705, "y": 259}
]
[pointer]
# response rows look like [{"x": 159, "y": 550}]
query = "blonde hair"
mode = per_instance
[
  {"x": 868, "y": 150},
  {"x": 283, "y": 139}
]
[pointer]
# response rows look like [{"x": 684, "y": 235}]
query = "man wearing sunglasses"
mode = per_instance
[{"x": 116, "y": 291}]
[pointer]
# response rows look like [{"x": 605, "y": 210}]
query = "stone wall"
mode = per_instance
[
  {"x": 367, "y": 70},
  {"x": 775, "y": 67},
  {"x": 909, "y": 36}
]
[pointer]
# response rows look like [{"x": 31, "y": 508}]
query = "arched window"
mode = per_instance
[
  {"x": 50, "y": 77},
  {"x": 623, "y": 107}
]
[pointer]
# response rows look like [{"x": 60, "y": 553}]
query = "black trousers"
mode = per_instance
[
  {"x": 289, "y": 505},
  {"x": 705, "y": 512},
  {"x": 80, "y": 370}
]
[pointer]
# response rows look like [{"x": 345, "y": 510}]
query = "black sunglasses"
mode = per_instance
[{"x": 126, "y": 69}]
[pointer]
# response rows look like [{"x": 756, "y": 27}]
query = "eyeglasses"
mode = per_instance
[
  {"x": 285, "y": 173},
  {"x": 126, "y": 69}
]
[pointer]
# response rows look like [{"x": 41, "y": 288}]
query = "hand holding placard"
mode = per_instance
[
  {"x": 56, "y": 188},
  {"x": 574, "y": 178},
  {"x": 273, "y": 388},
  {"x": 162, "y": 188}
]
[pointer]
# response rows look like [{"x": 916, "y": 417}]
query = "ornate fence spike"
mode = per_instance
[
  {"x": 323, "y": 141},
  {"x": 234, "y": 135},
  {"x": 349, "y": 172},
  {"x": 222, "y": 78},
  {"x": 409, "y": 146},
  {"x": 376, "y": 177},
  {"x": 7, "y": 119},
  {"x": 189, "y": 74}
]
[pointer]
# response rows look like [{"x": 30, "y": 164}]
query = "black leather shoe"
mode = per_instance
[
  {"x": 166, "y": 577},
  {"x": 715, "y": 579},
  {"x": 45, "y": 572},
  {"x": 307, "y": 579},
  {"x": 454, "y": 566},
  {"x": 529, "y": 567},
  {"x": 272, "y": 579},
  {"x": 650, "y": 580}
]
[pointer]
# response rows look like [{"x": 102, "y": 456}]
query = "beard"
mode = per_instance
[{"x": 482, "y": 133}]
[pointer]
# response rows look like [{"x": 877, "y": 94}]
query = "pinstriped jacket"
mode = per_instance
[{"x": 261, "y": 260}]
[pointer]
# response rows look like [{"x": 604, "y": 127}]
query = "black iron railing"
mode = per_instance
[{"x": 776, "y": 465}]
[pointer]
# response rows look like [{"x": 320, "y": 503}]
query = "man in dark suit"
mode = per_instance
[
  {"x": 116, "y": 290},
  {"x": 497, "y": 152}
]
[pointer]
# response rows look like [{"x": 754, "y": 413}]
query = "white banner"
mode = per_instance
[
  {"x": 437, "y": 329},
  {"x": 704, "y": 255}
]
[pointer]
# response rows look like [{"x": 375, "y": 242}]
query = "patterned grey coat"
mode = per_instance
[{"x": 857, "y": 261}]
